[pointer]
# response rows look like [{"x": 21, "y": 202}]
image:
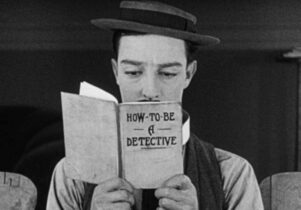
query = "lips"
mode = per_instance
[{"x": 148, "y": 100}]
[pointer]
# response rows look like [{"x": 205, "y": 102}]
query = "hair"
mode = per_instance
[{"x": 190, "y": 47}]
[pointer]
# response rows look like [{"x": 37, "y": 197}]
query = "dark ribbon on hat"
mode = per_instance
[{"x": 157, "y": 19}]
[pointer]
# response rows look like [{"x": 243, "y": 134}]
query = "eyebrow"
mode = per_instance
[
  {"x": 131, "y": 62},
  {"x": 172, "y": 64},
  {"x": 161, "y": 66}
]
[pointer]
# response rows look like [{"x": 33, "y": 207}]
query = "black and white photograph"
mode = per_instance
[{"x": 150, "y": 105}]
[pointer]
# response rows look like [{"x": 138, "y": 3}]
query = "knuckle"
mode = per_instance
[
  {"x": 166, "y": 192},
  {"x": 163, "y": 202},
  {"x": 124, "y": 195},
  {"x": 123, "y": 206},
  {"x": 98, "y": 189},
  {"x": 187, "y": 207},
  {"x": 132, "y": 199},
  {"x": 97, "y": 197},
  {"x": 127, "y": 206},
  {"x": 186, "y": 179},
  {"x": 119, "y": 181},
  {"x": 97, "y": 204}
]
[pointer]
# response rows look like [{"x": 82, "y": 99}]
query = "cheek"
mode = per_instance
[
  {"x": 174, "y": 92},
  {"x": 128, "y": 92}
]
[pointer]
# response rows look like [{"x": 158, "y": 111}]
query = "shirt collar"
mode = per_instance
[{"x": 185, "y": 127}]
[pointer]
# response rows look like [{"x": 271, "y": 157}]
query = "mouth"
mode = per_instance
[{"x": 150, "y": 100}]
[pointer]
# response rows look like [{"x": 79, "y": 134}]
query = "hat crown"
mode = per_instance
[
  {"x": 153, "y": 17},
  {"x": 160, "y": 7}
]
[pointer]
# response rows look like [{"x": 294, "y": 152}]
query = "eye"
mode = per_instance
[
  {"x": 167, "y": 75},
  {"x": 134, "y": 73}
]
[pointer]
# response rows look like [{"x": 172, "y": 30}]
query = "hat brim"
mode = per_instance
[{"x": 116, "y": 24}]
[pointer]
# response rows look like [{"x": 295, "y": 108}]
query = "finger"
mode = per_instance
[
  {"x": 169, "y": 204},
  {"x": 113, "y": 184},
  {"x": 121, "y": 206},
  {"x": 179, "y": 181},
  {"x": 170, "y": 193},
  {"x": 115, "y": 206},
  {"x": 160, "y": 208},
  {"x": 116, "y": 196},
  {"x": 127, "y": 186}
]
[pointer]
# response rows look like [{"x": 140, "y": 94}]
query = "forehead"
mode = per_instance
[{"x": 151, "y": 47}]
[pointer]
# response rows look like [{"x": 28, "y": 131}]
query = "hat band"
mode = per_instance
[{"x": 157, "y": 19}]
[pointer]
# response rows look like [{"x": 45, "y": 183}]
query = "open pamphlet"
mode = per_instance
[{"x": 138, "y": 141}]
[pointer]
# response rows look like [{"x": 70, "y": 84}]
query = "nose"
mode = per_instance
[{"x": 150, "y": 90}]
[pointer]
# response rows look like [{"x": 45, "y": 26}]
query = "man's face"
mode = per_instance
[{"x": 152, "y": 68}]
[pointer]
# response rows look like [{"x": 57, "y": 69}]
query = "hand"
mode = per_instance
[
  {"x": 113, "y": 194},
  {"x": 177, "y": 193}
]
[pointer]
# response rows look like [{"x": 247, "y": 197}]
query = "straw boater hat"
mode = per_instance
[{"x": 156, "y": 18}]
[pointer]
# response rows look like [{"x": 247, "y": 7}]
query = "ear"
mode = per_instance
[
  {"x": 190, "y": 71},
  {"x": 115, "y": 69}
]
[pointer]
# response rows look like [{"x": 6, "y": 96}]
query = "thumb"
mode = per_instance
[{"x": 179, "y": 181}]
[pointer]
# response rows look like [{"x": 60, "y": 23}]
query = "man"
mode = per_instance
[{"x": 154, "y": 43}]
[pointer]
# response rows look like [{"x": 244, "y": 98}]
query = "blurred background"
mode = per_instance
[{"x": 243, "y": 98}]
